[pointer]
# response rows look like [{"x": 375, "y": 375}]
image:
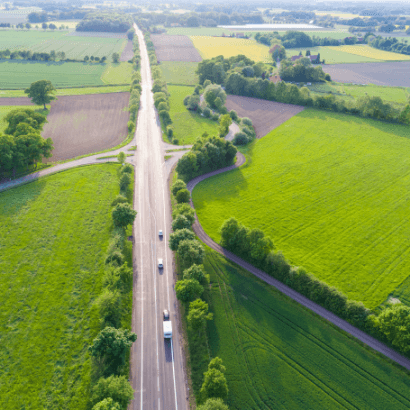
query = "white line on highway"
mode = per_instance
[
  {"x": 142, "y": 307},
  {"x": 154, "y": 258}
]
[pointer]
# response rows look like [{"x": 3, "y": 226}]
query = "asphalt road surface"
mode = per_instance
[{"x": 157, "y": 365}]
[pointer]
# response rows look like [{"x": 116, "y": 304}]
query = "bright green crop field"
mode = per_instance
[
  {"x": 279, "y": 355},
  {"x": 180, "y": 72},
  {"x": 56, "y": 232},
  {"x": 188, "y": 126},
  {"x": 17, "y": 74},
  {"x": 332, "y": 191},
  {"x": 74, "y": 46}
]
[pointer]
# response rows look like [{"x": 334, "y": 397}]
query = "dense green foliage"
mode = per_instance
[
  {"x": 278, "y": 354},
  {"x": 319, "y": 198},
  {"x": 108, "y": 22},
  {"x": 55, "y": 273},
  {"x": 41, "y": 92},
  {"x": 206, "y": 155},
  {"x": 115, "y": 387},
  {"x": 391, "y": 44}
]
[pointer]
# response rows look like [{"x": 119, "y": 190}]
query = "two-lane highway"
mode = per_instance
[{"x": 157, "y": 373}]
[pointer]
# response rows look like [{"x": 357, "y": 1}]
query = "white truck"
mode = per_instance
[{"x": 167, "y": 329}]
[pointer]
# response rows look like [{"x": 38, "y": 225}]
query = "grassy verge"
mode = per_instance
[
  {"x": 54, "y": 274},
  {"x": 117, "y": 73},
  {"x": 114, "y": 156}
]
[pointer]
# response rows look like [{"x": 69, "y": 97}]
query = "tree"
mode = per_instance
[
  {"x": 40, "y": 92},
  {"x": 191, "y": 252},
  {"x": 394, "y": 323},
  {"x": 44, "y": 26},
  {"x": 7, "y": 150},
  {"x": 187, "y": 165},
  {"x": 224, "y": 122},
  {"x": 109, "y": 306},
  {"x": 198, "y": 314},
  {"x": 193, "y": 21},
  {"x": 125, "y": 181},
  {"x": 107, "y": 404},
  {"x": 120, "y": 199},
  {"x": 52, "y": 26},
  {"x": 214, "y": 385},
  {"x": 121, "y": 157},
  {"x": 31, "y": 148},
  {"x": 115, "y": 387},
  {"x": 212, "y": 404},
  {"x": 28, "y": 26},
  {"x": 176, "y": 237},
  {"x": 178, "y": 185},
  {"x": 188, "y": 290},
  {"x": 183, "y": 196},
  {"x": 216, "y": 363},
  {"x": 123, "y": 215},
  {"x": 195, "y": 272},
  {"x": 186, "y": 210},
  {"x": 115, "y": 57},
  {"x": 111, "y": 345},
  {"x": 212, "y": 92},
  {"x": 180, "y": 222}
]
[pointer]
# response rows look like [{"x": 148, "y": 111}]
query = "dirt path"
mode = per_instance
[{"x": 319, "y": 310}]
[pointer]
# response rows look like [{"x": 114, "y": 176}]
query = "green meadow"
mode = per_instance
[
  {"x": 332, "y": 191},
  {"x": 188, "y": 126},
  {"x": 54, "y": 235},
  {"x": 17, "y": 74},
  {"x": 76, "y": 47},
  {"x": 280, "y": 355},
  {"x": 180, "y": 72}
]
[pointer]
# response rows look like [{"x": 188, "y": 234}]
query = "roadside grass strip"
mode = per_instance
[
  {"x": 370, "y": 52},
  {"x": 179, "y": 72},
  {"x": 210, "y": 47},
  {"x": 280, "y": 355},
  {"x": 331, "y": 191},
  {"x": 188, "y": 126},
  {"x": 56, "y": 232}
]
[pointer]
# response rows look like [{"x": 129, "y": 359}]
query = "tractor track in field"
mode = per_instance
[{"x": 319, "y": 310}]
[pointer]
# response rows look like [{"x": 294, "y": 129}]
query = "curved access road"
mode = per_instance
[{"x": 319, "y": 310}]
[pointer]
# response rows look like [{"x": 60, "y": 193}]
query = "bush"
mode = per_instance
[
  {"x": 115, "y": 387},
  {"x": 114, "y": 258},
  {"x": 240, "y": 138},
  {"x": 125, "y": 180},
  {"x": 179, "y": 236},
  {"x": 165, "y": 117},
  {"x": 170, "y": 131},
  {"x": 175, "y": 141},
  {"x": 126, "y": 169},
  {"x": 131, "y": 126},
  {"x": 233, "y": 115},
  {"x": 214, "y": 96},
  {"x": 247, "y": 121},
  {"x": 250, "y": 133},
  {"x": 223, "y": 110},
  {"x": 109, "y": 307},
  {"x": 107, "y": 404},
  {"x": 183, "y": 195},
  {"x": 163, "y": 106},
  {"x": 123, "y": 215},
  {"x": 213, "y": 404},
  {"x": 120, "y": 199},
  {"x": 186, "y": 210},
  {"x": 207, "y": 112},
  {"x": 206, "y": 83},
  {"x": 188, "y": 290},
  {"x": 191, "y": 252},
  {"x": 186, "y": 100},
  {"x": 177, "y": 186},
  {"x": 180, "y": 222},
  {"x": 215, "y": 117},
  {"x": 195, "y": 272}
]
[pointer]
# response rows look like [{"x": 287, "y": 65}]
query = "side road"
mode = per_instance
[{"x": 319, "y": 310}]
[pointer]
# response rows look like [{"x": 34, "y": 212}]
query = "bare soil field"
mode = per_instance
[
  {"x": 175, "y": 48},
  {"x": 127, "y": 54},
  {"x": 391, "y": 74},
  {"x": 265, "y": 115},
  {"x": 83, "y": 124},
  {"x": 96, "y": 34},
  {"x": 15, "y": 101}
]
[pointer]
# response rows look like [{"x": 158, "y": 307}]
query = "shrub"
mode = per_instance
[
  {"x": 121, "y": 157},
  {"x": 198, "y": 90},
  {"x": 165, "y": 117},
  {"x": 177, "y": 186},
  {"x": 206, "y": 83},
  {"x": 109, "y": 307},
  {"x": 186, "y": 210},
  {"x": 240, "y": 138},
  {"x": 123, "y": 215},
  {"x": 183, "y": 195},
  {"x": 163, "y": 106},
  {"x": 247, "y": 121},
  {"x": 188, "y": 290},
  {"x": 107, "y": 404},
  {"x": 191, "y": 252},
  {"x": 175, "y": 141},
  {"x": 125, "y": 180},
  {"x": 170, "y": 132},
  {"x": 215, "y": 117},
  {"x": 131, "y": 126},
  {"x": 223, "y": 110},
  {"x": 207, "y": 112},
  {"x": 126, "y": 169},
  {"x": 115, "y": 387},
  {"x": 178, "y": 236},
  {"x": 233, "y": 115},
  {"x": 115, "y": 257},
  {"x": 120, "y": 199},
  {"x": 195, "y": 272},
  {"x": 180, "y": 222},
  {"x": 212, "y": 93},
  {"x": 213, "y": 404},
  {"x": 186, "y": 100}
]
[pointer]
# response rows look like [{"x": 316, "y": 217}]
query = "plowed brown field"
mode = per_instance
[
  {"x": 175, "y": 48},
  {"x": 265, "y": 115},
  {"x": 83, "y": 124},
  {"x": 127, "y": 54}
]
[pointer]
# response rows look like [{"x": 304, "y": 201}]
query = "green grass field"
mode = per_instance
[
  {"x": 71, "y": 91},
  {"x": 18, "y": 74},
  {"x": 396, "y": 95},
  {"x": 332, "y": 192},
  {"x": 279, "y": 355},
  {"x": 56, "y": 231},
  {"x": 179, "y": 72},
  {"x": 188, "y": 126},
  {"x": 74, "y": 46},
  {"x": 331, "y": 55}
]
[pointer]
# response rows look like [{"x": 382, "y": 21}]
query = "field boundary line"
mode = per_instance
[{"x": 314, "y": 307}]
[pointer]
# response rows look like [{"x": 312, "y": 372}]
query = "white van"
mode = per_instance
[
  {"x": 167, "y": 329},
  {"x": 160, "y": 264}
]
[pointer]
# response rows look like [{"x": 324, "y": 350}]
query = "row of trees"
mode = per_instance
[
  {"x": 391, "y": 44},
  {"x": 189, "y": 289},
  {"x": 302, "y": 71},
  {"x": 106, "y": 22}
]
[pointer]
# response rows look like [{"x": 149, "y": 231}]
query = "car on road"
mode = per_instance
[
  {"x": 160, "y": 234},
  {"x": 160, "y": 264},
  {"x": 167, "y": 326},
  {"x": 165, "y": 315}
]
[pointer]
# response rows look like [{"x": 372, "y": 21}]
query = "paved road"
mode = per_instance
[
  {"x": 342, "y": 324},
  {"x": 157, "y": 372}
]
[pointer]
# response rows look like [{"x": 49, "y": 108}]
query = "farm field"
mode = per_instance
[
  {"x": 75, "y": 47},
  {"x": 56, "y": 231},
  {"x": 4, "y": 94},
  {"x": 279, "y": 355},
  {"x": 331, "y": 192},
  {"x": 80, "y": 125},
  {"x": 394, "y": 74},
  {"x": 397, "y": 95},
  {"x": 70, "y": 23},
  {"x": 196, "y": 31},
  {"x": 187, "y": 125},
  {"x": 366, "y": 51},
  {"x": 176, "y": 48},
  {"x": 265, "y": 115},
  {"x": 210, "y": 47},
  {"x": 332, "y": 55},
  {"x": 18, "y": 74},
  {"x": 180, "y": 72}
]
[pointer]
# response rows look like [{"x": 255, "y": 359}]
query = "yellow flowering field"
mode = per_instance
[
  {"x": 210, "y": 47},
  {"x": 371, "y": 52}
]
